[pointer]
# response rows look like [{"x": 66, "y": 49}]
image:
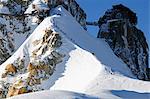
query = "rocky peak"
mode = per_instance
[
  {"x": 118, "y": 28},
  {"x": 119, "y": 12}
]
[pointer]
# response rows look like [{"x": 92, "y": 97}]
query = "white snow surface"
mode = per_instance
[
  {"x": 54, "y": 95},
  {"x": 89, "y": 66},
  {"x": 81, "y": 68}
]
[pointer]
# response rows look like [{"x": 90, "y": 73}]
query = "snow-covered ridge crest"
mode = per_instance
[
  {"x": 30, "y": 68},
  {"x": 19, "y": 18}
]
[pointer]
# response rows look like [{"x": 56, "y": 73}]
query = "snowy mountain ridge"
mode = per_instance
[
  {"x": 18, "y": 19},
  {"x": 62, "y": 59},
  {"x": 68, "y": 59}
]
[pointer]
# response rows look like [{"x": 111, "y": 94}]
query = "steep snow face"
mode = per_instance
[
  {"x": 20, "y": 18},
  {"x": 80, "y": 69},
  {"x": 60, "y": 55},
  {"x": 80, "y": 37},
  {"x": 31, "y": 66}
]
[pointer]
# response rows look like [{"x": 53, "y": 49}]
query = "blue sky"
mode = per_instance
[{"x": 96, "y": 8}]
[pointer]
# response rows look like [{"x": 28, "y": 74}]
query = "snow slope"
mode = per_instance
[
  {"x": 80, "y": 69},
  {"x": 89, "y": 65},
  {"x": 108, "y": 86},
  {"x": 114, "y": 74},
  {"x": 73, "y": 31},
  {"x": 68, "y": 69},
  {"x": 54, "y": 95}
]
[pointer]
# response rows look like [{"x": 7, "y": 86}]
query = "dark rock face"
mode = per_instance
[
  {"x": 118, "y": 28},
  {"x": 73, "y": 7}
]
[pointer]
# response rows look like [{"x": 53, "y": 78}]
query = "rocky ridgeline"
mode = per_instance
[
  {"x": 118, "y": 28},
  {"x": 70, "y": 5},
  {"x": 37, "y": 67},
  {"x": 19, "y": 18}
]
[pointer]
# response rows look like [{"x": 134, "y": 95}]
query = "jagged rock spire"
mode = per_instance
[{"x": 118, "y": 27}]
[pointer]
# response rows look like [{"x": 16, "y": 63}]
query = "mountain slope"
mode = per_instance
[
  {"x": 108, "y": 86},
  {"x": 17, "y": 69},
  {"x": 19, "y": 18},
  {"x": 60, "y": 55}
]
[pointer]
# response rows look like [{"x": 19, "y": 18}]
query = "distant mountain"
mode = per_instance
[{"x": 118, "y": 28}]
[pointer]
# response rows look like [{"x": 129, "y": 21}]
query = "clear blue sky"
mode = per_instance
[{"x": 96, "y": 8}]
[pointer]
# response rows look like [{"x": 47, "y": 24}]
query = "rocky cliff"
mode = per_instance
[{"x": 118, "y": 28}]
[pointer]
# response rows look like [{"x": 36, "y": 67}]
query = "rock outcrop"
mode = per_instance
[
  {"x": 38, "y": 66},
  {"x": 118, "y": 28},
  {"x": 73, "y": 7}
]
